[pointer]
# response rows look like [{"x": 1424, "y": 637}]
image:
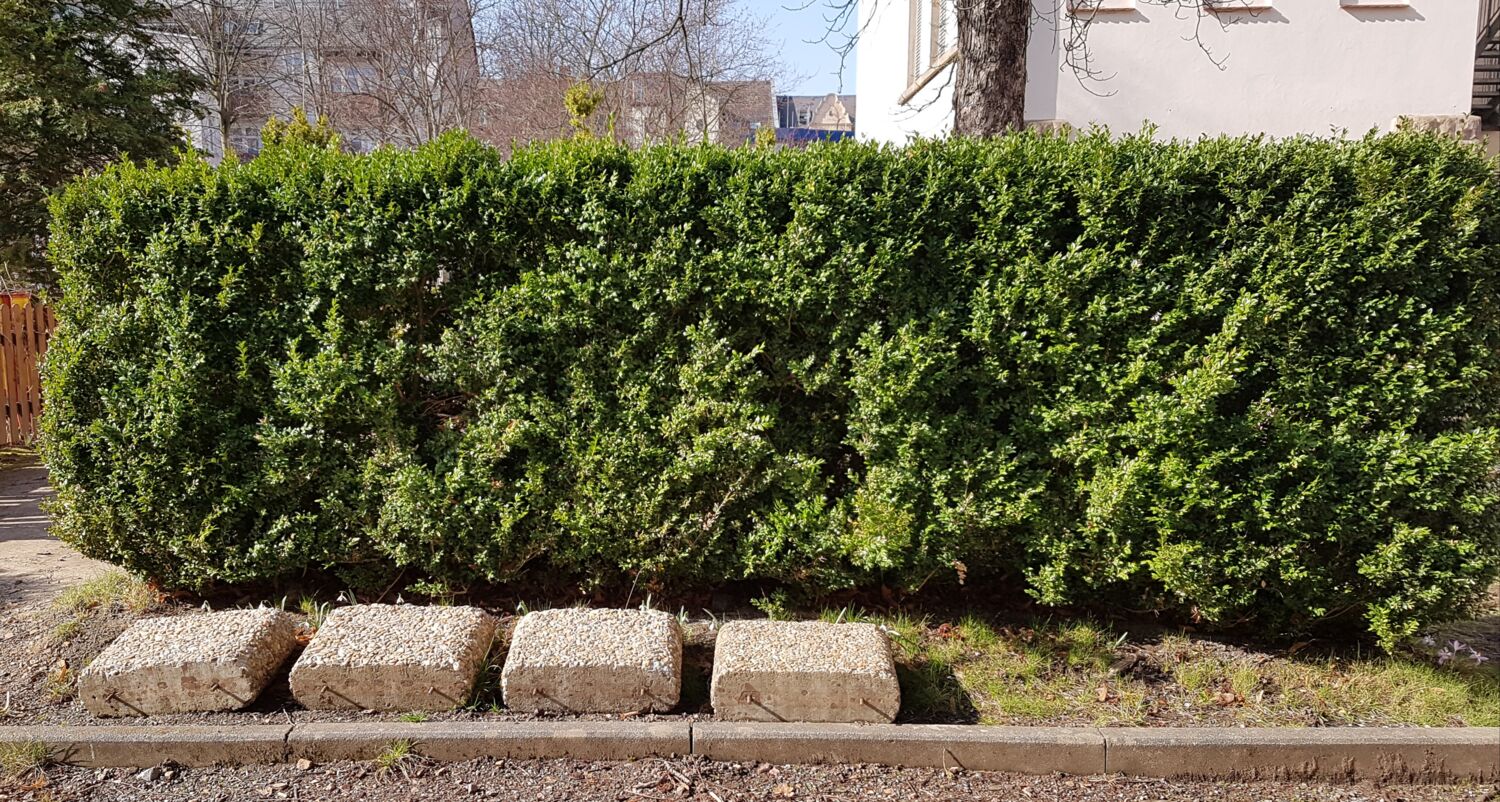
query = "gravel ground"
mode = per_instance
[{"x": 686, "y": 779}]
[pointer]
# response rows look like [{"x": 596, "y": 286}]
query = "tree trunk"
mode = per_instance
[{"x": 989, "y": 91}]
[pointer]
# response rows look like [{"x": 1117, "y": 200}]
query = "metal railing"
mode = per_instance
[
  {"x": 1487, "y": 59},
  {"x": 1489, "y": 23}
]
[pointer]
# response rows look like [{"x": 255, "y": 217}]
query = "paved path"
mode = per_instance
[{"x": 33, "y": 565}]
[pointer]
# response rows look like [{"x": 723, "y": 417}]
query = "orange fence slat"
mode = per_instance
[
  {"x": 12, "y": 373},
  {"x": 25, "y": 327}
]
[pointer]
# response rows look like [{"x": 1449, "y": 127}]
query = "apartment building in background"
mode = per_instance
[
  {"x": 1279, "y": 67},
  {"x": 657, "y": 106},
  {"x": 382, "y": 71},
  {"x": 638, "y": 109},
  {"x": 803, "y": 120},
  {"x": 401, "y": 72},
  {"x": 830, "y": 112}
]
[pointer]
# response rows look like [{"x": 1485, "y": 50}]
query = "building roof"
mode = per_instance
[{"x": 830, "y": 112}]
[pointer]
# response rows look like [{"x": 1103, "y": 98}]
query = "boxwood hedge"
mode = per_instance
[{"x": 1255, "y": 382}]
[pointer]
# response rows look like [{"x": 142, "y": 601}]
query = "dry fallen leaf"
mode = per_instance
[
  {"x": 783, "y": 791},
  {"x": 1227, "y": 698}
]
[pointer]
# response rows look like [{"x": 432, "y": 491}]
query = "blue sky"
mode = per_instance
[{"x": 815, "y": 66}]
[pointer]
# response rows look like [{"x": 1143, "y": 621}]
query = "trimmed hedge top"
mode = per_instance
[{"x": 1253, "y": 381}]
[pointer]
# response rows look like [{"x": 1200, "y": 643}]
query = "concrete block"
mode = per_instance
[
  {"x": 1026, "y": 750},
  {"x": 1399, "y": 754},
  {"x": 188, "y": 663},
  {"x": 517, "y": 740},
  {"x": 1458, "y": 126},
  {"x": 393, "y": 657},
  {"x": 594, "y": 661},
  {"x": 804, "y": 671},
  {"x": 139, "y": 747}
]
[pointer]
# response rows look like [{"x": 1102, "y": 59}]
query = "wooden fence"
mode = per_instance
[{"x": 25, "y": 326}]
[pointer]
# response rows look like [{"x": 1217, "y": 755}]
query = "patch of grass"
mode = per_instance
[
  {"x": 1244, "y": 680},
  {"x": 1065, "y": 672},
  {"x": 1387, "y": 691},
  {"x": 929, "y": 690},
  {"x": 396, "y": 754},
  {"x": 68, "y": 629},
  {"x": 486, "y": 693},
  {"x": 777, "y": 605},
  {"x": 1273, "y": 690},
  {"x": 1197, "y": 676},
  {"x": 59, "y": 683},
  {"x": 413, "y": 717},
  {"x": 315, "y": 611},
  {"x": 115, "y": 588},
  {"x": 22, "y": 757}
]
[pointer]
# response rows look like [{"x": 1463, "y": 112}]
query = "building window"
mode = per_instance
[
  {"x": 944, "y": 23},
  {"x": 359, "y": 142},
  {"x": 932, "y": 43},
  {"x": 244, "y": 27},
  {"x": 245, "y": 140},
  {"x": 1088, "y": 7},
  {"x": 352, "y": 78},
  {"x": 803, "y": 118},
  {"x": 241, "y": 82}
]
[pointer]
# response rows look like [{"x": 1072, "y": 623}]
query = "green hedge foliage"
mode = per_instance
[{"x": 1254, "y": 382}]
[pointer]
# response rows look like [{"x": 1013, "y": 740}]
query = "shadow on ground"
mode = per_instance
[{"x": 34, "y": 566}]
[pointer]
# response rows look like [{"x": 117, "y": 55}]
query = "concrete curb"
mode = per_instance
[
  {"x": 141, "y": 746},
  {"x": 1333, "y": 753},
  {"x": 1027, "y": 750},
  {"x": 466, "y": 740}
]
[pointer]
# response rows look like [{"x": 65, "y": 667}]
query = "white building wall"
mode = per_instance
[{"x": 1303, "y": 67}]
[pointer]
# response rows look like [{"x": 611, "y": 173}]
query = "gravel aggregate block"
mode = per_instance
[
  {"x": 393, "y": 657},
  {"x": 594, "y": 661},
  {"x": 188, "y": 663},
  {"x": 804, "y": 671}
]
